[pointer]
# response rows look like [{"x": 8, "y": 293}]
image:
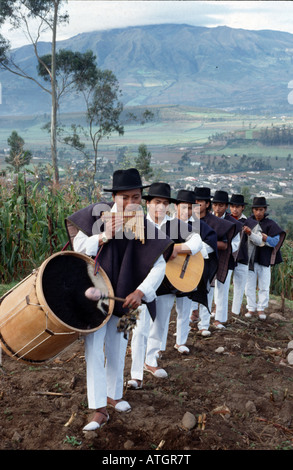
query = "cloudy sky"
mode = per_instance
[{"x": 88, "y": 15}]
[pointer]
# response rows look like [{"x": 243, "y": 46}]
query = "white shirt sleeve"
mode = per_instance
[
  {"x": 235, "y": 243},
  {"x": 87, "y": 245},
  {"x": 153, "y": 280},
  {"x": 206, "y": 250},
  {"x": 194, "y": 243}
]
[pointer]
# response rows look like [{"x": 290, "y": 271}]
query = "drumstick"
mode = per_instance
[
  {"x": 118, "y": 299},
  {"x": 95, "y": 294}
]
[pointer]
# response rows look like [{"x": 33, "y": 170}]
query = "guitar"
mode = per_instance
[{"x": 184, "y": 272}]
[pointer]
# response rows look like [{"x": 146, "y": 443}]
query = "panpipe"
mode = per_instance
[{"x": 132, "y": 220}]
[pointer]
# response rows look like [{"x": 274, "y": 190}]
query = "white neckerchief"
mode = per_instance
[
  {"x": 165, "y": 219},
  {"x": 222, "y": 216},
  {"x": 114, "y": 208}
]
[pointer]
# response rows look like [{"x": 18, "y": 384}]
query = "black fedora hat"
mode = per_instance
[
  {"x": 186, "y": 196},
  {"x": 161, "y": 190},
  {"x": 259, "y": 202},
  {"x": 237, "y": 200},
  {"x": 124, "y": 180},
  {"x": 221, "y": 196},
  {"x": 202, "y": 194}
]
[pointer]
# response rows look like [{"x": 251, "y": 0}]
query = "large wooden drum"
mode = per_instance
[{"x": 48, "y": 311}]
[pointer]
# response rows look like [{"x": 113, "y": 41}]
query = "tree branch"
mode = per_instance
[{"x": 21, "y": 73}]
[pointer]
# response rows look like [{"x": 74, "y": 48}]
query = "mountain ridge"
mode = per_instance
[{"x": 173, "y": 64}]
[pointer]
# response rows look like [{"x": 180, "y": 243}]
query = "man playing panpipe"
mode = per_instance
[{"x": 135, "y": 270}]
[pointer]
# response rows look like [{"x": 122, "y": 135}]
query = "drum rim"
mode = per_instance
[{"x": 42, "y": 299}]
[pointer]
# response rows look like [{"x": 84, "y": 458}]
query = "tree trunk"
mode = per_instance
[{"x": 54, "y": 98}]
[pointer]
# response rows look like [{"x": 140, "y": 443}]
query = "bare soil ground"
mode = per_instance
[{"x": 241, "y": 396}]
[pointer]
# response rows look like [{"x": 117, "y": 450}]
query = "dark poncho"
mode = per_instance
[
  {"x": 238, "y": 229},
  {"x": 209, "y": 236},
  {"x": 126, "y": 261},
  {"x": 242, "y": 255},
  {"x": 266, "y": 255},
  {"x": 225, "y": 231}
]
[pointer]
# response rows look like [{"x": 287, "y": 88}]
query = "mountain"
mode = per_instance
[{"x": 218, "y": 67}]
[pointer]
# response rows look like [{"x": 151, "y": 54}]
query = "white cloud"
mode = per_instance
[
  {"x": 91, "y": 15},
  {"x": 88, "y": 15}
]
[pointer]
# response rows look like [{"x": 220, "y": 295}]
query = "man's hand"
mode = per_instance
[
  {"x": 247, "y": 230},
  {"x": 133, "y": 300},
  {"x": 113, "y": 225},
  {"x": 222, "y": 245},
  {"x": 176, "y": 249},
  {"x": 180, "y": 248}
]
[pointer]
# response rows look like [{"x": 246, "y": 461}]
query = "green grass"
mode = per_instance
[{"x": 6, "y": 287}]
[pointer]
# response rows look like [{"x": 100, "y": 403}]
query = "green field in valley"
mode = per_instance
[
  {"x": 172, "y": 125},
  {"x": 174, "y": 130}
]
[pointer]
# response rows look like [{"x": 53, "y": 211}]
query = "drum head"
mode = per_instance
[{"x": 64, "y": 282}]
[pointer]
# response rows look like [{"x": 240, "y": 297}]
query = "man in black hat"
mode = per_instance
[
  {"x": 237, "y": 207},
  {"x": 158, "y": 204},
  {"x": 265, "y": 240},
  {"x": 220, "y": 205},
  {"x": 225, "y": 231},
  {"x": 135, "y": 271}
]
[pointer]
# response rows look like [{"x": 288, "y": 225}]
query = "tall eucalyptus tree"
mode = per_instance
[{"x": 48, "y": 14}]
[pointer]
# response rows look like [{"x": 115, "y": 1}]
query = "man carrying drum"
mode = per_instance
[{"x": 135, "y": 271}]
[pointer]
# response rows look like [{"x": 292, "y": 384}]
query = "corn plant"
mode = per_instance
[
  {"x": 282, "y": 274},
  {"x": 32, "y": 223}
]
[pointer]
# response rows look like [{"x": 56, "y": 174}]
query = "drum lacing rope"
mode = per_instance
[
  {"x": 18, "y": 311},
  {"x": 48, "y": 331},
  {"x": 34, "y": 347}
]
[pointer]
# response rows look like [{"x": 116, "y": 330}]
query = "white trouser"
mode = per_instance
[
  {"x": 221, "y": 298},
  {"x": 194, "y": 306},
  {"x": 164, "y": 304},
  {"x": 239, "y": 280},
  {"x": 183, "y": 309},
  {"x": 204, "y": 313},
  {"x": 105, "y": 378},
  {"x": 139, "y": 340},
  {"x": 261, "y": 277}
]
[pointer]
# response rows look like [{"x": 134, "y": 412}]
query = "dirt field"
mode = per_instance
[{"x": 240, "y": 396}]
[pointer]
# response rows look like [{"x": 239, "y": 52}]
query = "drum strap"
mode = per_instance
[
  {"x": 97, "y": 264},
  {"x": 65, "y": 246}
]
